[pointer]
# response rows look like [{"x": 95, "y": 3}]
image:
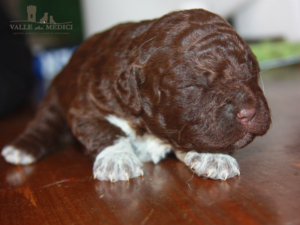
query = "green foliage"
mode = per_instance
[{"x": 267, "y": 50}]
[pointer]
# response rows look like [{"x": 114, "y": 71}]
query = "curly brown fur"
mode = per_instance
[{"x": 183, "y": 79}]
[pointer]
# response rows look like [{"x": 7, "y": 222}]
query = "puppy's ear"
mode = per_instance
[{"x": 127, "y": 90}]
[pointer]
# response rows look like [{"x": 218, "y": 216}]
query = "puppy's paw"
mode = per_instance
[
  {"x": 117, "y": 162},
  {"x": 213, "y": 166},
  {"x": 17, "y": 156}
]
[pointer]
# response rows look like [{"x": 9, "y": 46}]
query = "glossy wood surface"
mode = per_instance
[{"x": 60, "y": 189}]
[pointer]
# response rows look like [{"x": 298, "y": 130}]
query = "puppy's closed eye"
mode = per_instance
[{"x": 187, "y": 87}]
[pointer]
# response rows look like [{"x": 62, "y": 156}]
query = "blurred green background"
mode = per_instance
[{"x": 268, "y": 49}]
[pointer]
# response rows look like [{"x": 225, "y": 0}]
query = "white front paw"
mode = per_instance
[
  {"x": 117, "y": 162},
  {"x": 17, "y": 156},
  {"x": 213, "y": 166}
]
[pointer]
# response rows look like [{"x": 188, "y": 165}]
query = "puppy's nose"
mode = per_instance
[{"x": 246, "y": 115}]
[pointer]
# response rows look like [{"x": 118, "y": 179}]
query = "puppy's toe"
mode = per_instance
[
  {"x": 120, "y": 167},
  {"x": 17, "y": 156},
  {"x": 213, "y": 166}
]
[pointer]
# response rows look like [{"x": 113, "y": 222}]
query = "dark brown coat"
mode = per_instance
[{"x": 188, "y": 78}]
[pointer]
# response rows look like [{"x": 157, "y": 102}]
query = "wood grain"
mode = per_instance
[{"x": 60, "y": 189}]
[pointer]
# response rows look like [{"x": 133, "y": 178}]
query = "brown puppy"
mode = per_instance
[{"x": 185, "y": 82}]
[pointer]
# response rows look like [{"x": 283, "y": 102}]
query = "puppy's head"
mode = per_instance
[{"x": 195, "y": 83}]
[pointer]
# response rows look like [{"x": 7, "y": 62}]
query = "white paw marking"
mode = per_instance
[
  {"x": 150, "y": 148},
  {"x": 117, "y": 162},
  {"x": 147, "y": 147},
  {"x": 213, "y": 166},
  {"x": 17, "y": 156}
]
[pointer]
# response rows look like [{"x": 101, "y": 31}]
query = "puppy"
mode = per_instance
[{"x": 185, "y": 82}]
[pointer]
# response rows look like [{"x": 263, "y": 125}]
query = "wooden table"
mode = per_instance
[{"x": 60, "y": 188}]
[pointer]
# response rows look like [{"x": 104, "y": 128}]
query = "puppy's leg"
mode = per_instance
[
  {"x": 209, "y": 165},
  {"x": 117, "y": 162},
  {"x": 40, "y": 136},
  {"x": 109, "y": 145},
  {"x": 146, "y": 147}
]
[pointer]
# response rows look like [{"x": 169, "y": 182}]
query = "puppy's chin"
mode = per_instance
[{"x": 248, "y": 138}]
